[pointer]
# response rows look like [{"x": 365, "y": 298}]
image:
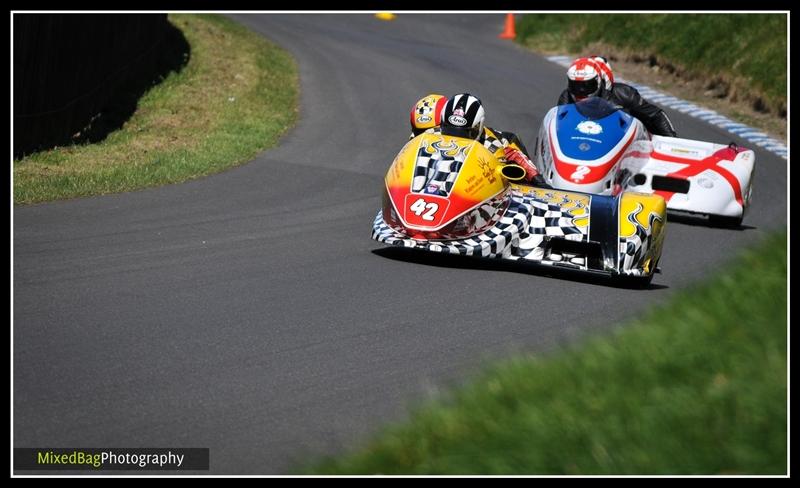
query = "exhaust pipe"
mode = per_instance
[{"x": 511, "y": 172}]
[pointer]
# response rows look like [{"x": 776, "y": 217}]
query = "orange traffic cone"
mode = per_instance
[{"x": 509, "y": 33}]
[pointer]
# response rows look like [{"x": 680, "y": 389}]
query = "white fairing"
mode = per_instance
[
  {"x": 598, "y": 176},
  {"x": 719, "y": 178},
  {"x": 542, "y": 157}
]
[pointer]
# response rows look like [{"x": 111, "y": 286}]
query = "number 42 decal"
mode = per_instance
[{"x": 425, "y": 209}]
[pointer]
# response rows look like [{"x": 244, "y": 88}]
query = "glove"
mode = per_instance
[{"x": 517, "y": 157}]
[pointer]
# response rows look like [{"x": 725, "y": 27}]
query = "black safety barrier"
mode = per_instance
[{"x": 78, "y": 77}]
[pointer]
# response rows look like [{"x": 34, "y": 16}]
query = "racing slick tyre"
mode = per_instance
[
  {"x": 726, "y": 222},
  {"x": 634, "y": 282}
]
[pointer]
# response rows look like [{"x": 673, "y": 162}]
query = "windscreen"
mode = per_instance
[{"x": 595, "y": 108}]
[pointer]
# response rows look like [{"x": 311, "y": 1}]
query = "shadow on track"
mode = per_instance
[
  {"x": 711, "y": 222},
  {"x": 172, "y": 54},
  {"x": 429, "y": 258},
  {"x": 78, "y": 78}
]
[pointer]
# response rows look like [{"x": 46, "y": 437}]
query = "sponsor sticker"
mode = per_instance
[
  {"x": 590, "y": 127},
  {"x": 432, "y": 188},
  {"x": 677, "y": 150},
  {"x": 580, "y": 138},
  {"x": 705, "y": 183},
  {"x": 457, "y": 120},
  {"x": 424, "y": 119}
]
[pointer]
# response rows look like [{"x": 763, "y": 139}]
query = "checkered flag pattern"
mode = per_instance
[
  {"x": 499, "y": 241},
  {"x": 519, "y": 234},
  {"x": 436, "y": 172},
  {"x": 494, "y": 145},
  {"x": 552, "y": 220}
]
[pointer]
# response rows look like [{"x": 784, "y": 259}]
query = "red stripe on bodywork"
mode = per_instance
[
  {"x": 457, "y": 206},
  {"x": 437, "y": 116},
  {"x": 695, "y": 167}
]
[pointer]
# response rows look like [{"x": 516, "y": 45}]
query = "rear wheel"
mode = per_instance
[
  {"x": 634, "y": 282},
  {"x": 727, "y": 222}
]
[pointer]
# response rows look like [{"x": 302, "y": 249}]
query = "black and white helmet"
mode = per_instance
[{"x": 463, "y": 116}]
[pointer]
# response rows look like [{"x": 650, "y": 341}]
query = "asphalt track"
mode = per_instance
[{"x": 249, "y": 311}]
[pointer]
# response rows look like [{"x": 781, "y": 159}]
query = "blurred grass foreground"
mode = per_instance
[{"x": 695, "y": 386}]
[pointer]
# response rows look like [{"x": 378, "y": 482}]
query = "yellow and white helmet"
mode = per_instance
[{"x": 427, "y": 113}]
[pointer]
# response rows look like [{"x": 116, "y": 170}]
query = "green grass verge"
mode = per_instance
[
  {"x": 234, "y": 98},
  {"x": 747, "y": 50},
  {"x": 696, "y": 386}
]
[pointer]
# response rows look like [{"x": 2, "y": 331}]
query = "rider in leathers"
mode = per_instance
[{"x": 626, "y": 96}]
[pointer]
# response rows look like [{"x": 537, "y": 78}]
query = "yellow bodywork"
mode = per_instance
[
  {"x": 651, "y": 205},
  {"x": 642, "y": 220},
  {"x": 443, "y": 188},
  {"x": 477, "y": 181}
]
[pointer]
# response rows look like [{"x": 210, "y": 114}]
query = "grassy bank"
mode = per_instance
[
  {"x": 743, "y": 55},
  {"x": 235, "y": 97},
  {"x": 697, "y": 386}
]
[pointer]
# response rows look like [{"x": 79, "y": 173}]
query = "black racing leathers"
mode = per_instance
[{"x": 626, "y": 96}]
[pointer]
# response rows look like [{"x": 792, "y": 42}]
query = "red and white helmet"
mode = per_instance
[
  {"x": 584, "y": 78},
  {"x": 427, "y": 113},
  {"x": 605, "y": 70}
]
